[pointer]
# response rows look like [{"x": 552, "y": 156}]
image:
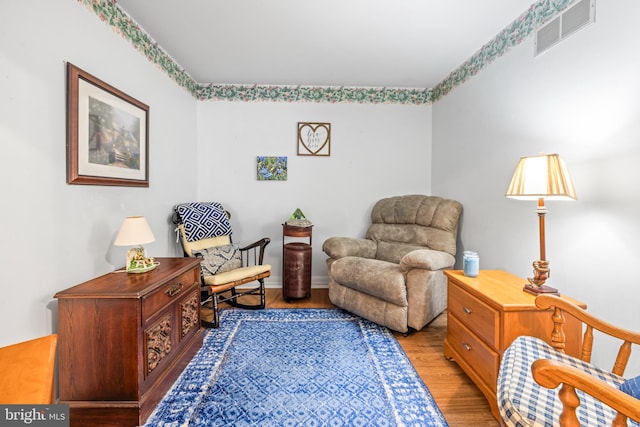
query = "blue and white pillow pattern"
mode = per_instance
[
  {"x": 203, "y": 220},
  {"x": 219, "y": 259}
]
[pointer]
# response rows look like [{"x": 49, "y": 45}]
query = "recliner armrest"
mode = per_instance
[
  {"x": 340, "y": 247},
  {"x": 427, "y": 259}
]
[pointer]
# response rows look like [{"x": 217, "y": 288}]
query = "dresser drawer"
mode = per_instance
[
  {"x": 475, "y": 353},
  {"x": 482, "y": 320},
  {"x": 167, "y": 293}
]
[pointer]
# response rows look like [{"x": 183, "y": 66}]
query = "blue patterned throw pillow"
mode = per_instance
[
  {"x": 632, "y": 387},
  {"x": 219, "y": 259},
  {"x": 203, "y": 220}
]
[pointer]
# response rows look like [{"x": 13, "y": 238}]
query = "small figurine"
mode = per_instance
[
  {"x": 298, "y": 219},
  {"x": 137, "y": 261}
]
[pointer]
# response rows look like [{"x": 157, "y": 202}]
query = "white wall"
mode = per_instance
[
  {"x": 57, "y": 235},
  {"x": 376, "y": 151},
  {"x": 581, "y": 99}
]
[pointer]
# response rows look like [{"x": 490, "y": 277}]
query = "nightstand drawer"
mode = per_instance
[
  {"x": 474, "y": 352},
  {"x": 485, "y": 314},
  {"x": 481, "y": 319},
  {"x": 168, "y": 292}
]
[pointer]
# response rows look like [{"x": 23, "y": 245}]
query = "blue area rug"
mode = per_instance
[{"x": 295, "y": 367}]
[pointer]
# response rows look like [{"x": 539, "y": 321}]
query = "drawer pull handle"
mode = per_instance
[
  {"x": 466, "y": 346},
  {"x": 175, "y": 289},
  {"x": 467, "y": 310}
]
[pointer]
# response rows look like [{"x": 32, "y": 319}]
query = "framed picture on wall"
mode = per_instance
[
  {"x": 107, "y": 133},
  {"x": 314, "y": 139},
  {"x": 271, "y": 168}
]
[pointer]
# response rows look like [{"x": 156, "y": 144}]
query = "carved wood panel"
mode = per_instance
[
  {"x": 158, "y": 339},
  {"x": 189, "y": 310}
]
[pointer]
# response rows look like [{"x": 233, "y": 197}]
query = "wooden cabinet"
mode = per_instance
[
  {"x": 485, "y": 314},
  {"x": 296, "y": 262},
  {"x": 123, "y": 340}
]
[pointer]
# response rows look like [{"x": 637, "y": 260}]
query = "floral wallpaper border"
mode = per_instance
[
  {"x": 324, "y": 94},
  {"x": 514, "y": 34},
  {"x": 539, "y": 13},
  {"x": 110, "y": 13}
]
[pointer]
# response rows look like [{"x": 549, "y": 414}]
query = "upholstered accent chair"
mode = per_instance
[
  {"x": 540, "y": 385},
  {"x": 394, "y": 276}
]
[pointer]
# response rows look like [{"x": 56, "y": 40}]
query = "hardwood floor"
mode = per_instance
[{"x": 458, "y": 398}]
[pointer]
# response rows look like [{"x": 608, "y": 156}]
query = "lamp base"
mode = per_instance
[
  {"x": 137, "y": 261},
  {"x": 542, "y": 289},
  {"x": 142, "y": 267}
]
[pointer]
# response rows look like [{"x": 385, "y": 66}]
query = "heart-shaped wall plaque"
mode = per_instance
[{"x": 314, "y": 139}]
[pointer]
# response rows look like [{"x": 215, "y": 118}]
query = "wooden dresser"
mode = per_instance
[
  {"x": 485, "y": 314},
  {"x": 123, "y": 340}
]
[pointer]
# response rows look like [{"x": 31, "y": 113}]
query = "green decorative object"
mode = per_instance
[
  {"x": 297, "y": 215},
  {"x": 298, "y": 219}
]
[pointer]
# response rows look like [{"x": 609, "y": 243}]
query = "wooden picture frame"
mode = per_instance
[
  {"x": 107, "y": 133},
  {"x": 314, "y": 139}
]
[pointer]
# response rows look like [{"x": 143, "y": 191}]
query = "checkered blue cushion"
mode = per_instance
[
  {"x": 203, "y": 220},
  {"x": 522, "y": 402}
]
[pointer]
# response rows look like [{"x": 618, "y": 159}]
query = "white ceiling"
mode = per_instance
[{"x": 365, "y": 43}]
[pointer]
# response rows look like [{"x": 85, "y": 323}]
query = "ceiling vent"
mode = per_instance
[{"x": 568, "y": 22}]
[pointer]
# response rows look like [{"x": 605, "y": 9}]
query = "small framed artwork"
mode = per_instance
[
  {"x": 314, "y": 139},
  {"x": 107, "y": 133},
  {"x": 272, "y": 168}
]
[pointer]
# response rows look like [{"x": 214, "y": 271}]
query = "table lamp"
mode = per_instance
[
  {"x": 538, "y": 178},
  {"x": 135, "y": 231}
]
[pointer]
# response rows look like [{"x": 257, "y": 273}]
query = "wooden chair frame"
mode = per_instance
[
  {"x": 213, "y": 296},
  {"x": 27, "y": 372},
  {"x": 551, "y": 374}
]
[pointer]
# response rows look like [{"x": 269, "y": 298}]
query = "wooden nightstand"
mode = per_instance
[{"x": 485, "y": 314}]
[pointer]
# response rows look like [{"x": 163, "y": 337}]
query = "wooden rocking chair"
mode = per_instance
[
  {"x": 531, "y": 371},
  {"x": 205, "y": 232}
]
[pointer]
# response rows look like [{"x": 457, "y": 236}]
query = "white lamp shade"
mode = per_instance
[
  {"x": 134, "y": 231},
  {"x": 544, "y": 176}
]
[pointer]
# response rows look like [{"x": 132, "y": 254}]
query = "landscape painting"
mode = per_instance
[{"x": 107, "y": 140}]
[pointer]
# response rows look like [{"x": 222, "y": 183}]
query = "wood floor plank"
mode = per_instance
[{"x": 459, "y": 399}]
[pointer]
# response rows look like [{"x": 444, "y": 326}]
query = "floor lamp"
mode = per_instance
[{"x": 538, "y": 178}]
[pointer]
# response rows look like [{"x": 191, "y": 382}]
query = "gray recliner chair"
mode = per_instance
[{"x": 394, "y": 276}]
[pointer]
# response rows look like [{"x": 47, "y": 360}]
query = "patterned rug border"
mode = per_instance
[{"x": 406, "y": 393}]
